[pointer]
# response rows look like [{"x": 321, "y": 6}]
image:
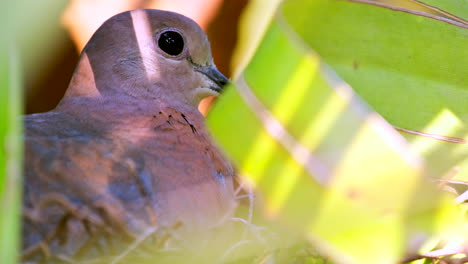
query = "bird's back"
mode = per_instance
[{"x": 82, "y": 182}]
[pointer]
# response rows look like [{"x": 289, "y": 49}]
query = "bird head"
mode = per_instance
[{"x": 148, "y": 54}]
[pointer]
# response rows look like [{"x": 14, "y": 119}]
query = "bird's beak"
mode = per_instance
[{"x": 219, "y": 80}]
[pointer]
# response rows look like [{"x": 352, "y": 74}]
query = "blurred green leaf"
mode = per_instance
[
  {"x": 10, "y": 153},
  {"x": 411, "y": 69},
  {"x": 323, "y": 161},
  {"x": 250, "y": 34},
  {"x": 10, "y": 135}
]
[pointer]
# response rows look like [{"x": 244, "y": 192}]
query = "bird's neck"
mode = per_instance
[
  {"x": 134, "y": 120},
  {"x": 100, "y": 97},
  {"x": 118, "y": 107},
  {"x": 109, "y": 87}
]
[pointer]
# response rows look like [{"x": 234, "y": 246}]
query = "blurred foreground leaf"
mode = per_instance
[
  {"x": 252, "y": 25},
  {"x": 10, "y": 136},
  {"x": 411, "y": 69},
  {"x": 10, "y": 154},
  {"x": 323, "y": 161}
]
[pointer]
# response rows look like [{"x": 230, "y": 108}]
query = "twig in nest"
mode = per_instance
[
  {"x": 439, "y": 254},
  {"x": 249, "y": 194},
  {"x": 231, "y": 249},
  {"x": 134, "y": 245},
  {"x": 253, "y": 228}
]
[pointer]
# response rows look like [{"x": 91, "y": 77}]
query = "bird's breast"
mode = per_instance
[{"x": 189, "y": 180}]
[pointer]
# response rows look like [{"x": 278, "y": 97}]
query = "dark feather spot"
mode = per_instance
[
  {"x": 194, "y": 130},
  {"x": 221, "y": 179},
  {"x": 144, "y": 183},
  {"x": 124, "y": 191}
]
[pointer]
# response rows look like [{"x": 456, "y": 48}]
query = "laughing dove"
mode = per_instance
[{"x": 126, "y": 149}]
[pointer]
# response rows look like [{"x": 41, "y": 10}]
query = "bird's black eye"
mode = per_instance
[{"x": 171, "y": 42}]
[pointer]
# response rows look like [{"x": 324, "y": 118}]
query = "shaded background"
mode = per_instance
[{"x": 72, "y": 23}]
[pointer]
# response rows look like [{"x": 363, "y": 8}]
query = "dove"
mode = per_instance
[{"x": 126, "y": 149}]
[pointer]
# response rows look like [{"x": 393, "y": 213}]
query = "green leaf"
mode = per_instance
[
  {"x": 10, "y": 154},
  {"x": 10, "y": 137},
  {"x": 250, "y": 35},
  {"x": 411, "y": 69},
  {"x": 323, "y": 162}
]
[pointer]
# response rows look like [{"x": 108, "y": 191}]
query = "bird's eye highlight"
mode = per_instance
[{"x": 171, "y": 42}]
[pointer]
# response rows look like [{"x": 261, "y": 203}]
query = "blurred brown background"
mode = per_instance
[{"x": 75, "y": 22}]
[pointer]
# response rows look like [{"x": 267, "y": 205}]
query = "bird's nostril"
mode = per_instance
[
  {"x": 219, "y": 78},
  {"x": 223, "y": 82}
]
